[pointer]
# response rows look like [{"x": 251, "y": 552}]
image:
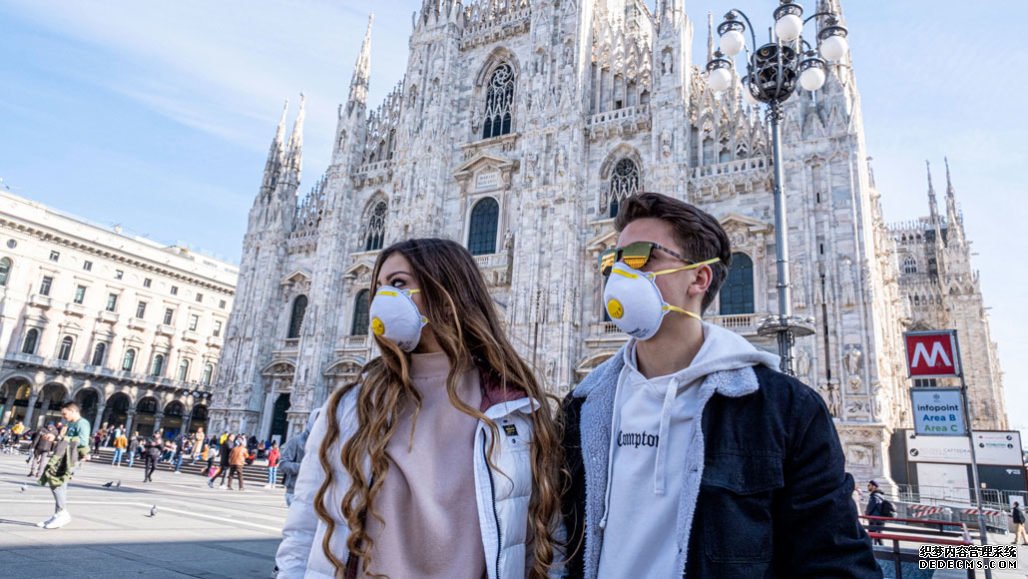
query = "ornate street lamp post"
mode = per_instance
[{"x": 772, "y": 73}]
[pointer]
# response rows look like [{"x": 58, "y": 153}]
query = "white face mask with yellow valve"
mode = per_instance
[
  {"x": 395, "y": 317},
  {"x": 634, "y": 302}
]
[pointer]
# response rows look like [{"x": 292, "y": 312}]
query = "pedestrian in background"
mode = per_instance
[
  {"x": 72, "y": 449},
  {"x": 224, "y": 450},
  {"x": 133, "y": 448},
  {"x": 152, "y": 454},
  {"x": 42, "y": 444},
  {"x": 273, "y": 456},
  {"x": 292, "y": 456},
  {"x": 236, "y": 463},
  {"x": 1018, "y": 516},
  {"x": 120, "y": 444}
]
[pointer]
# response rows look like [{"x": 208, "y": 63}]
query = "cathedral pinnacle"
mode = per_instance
[
  {"x": 294, "y": 152},
  {"x": 952, "y": 217},
  {"x": 932, "y": 204},
  {"x": 362, "y": 70},
  {"x": 275, "y": 152},
  {"x": 710, "y": 36},
  {"x": 280, "y": 133}
]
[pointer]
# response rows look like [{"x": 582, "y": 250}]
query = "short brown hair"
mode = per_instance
[{"x": 700, "y": 236}]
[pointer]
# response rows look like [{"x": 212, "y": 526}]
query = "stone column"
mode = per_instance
[
  {"x": 269, "y": 409},
  {"x": 99, "y": 416},
  {"x": 157, "y": 421},
  {"x": 129, "y": 416},
  {"x": 30, "y": 409}
]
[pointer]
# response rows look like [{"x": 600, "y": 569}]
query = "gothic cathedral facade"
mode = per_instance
[{"x": 517, "y": 129}]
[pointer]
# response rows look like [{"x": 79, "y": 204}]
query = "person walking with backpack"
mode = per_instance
[
  {"x": 1018, "y": 516},
  {"x": 877, "y": 506}
]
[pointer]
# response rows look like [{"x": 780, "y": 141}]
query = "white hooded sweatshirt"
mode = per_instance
[{"x": 654, "y": 424}]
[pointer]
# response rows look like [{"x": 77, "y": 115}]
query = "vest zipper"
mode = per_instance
[{"x": 496, "y": 514}]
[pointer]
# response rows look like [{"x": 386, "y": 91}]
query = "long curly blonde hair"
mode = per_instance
[{"x": 462, "y": 315}]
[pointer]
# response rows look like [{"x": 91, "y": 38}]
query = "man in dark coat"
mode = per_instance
[{"x": 42, "y": 445}]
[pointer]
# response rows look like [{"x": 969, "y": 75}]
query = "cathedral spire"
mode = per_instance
[
  {"x": 952, "y": 217},
  {"x": 280, "y": 133},
  {"x": 275, "y": 153},
  {"x": 710, "y": 36},
  {"x": 362, "y": 70},
  {"x": 294, "y": 152},
  {"x": 933, "y": 205}
]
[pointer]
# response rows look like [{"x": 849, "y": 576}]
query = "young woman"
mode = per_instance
[{"x": 442, "y": 461}]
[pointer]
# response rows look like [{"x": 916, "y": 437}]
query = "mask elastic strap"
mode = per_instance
[
  {"x": 671, "y": 308},
  {"x": 687, "y": 267}
]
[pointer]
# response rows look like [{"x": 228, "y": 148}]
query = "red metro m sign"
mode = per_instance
[{"x": 932, "y": 354}]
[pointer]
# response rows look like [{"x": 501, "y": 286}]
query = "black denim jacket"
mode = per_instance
[{"x": 774, "y": 498}]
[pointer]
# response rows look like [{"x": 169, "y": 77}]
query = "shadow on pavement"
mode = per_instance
[{"x": 157, "y": 559}]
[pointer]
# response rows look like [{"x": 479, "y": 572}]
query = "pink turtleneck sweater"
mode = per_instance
[{"x": 427, "y": 499}]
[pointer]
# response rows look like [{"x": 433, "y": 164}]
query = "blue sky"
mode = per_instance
[{"x": 157, "y": 116}]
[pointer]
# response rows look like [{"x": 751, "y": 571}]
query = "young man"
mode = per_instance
[
  {"x": 1018, "y": 516},
  {"x": 72, "y": 448},
  {"x": 689, "y": 453}
]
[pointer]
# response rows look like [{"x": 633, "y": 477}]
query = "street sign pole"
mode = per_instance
[{"x": 974, "y": 459}]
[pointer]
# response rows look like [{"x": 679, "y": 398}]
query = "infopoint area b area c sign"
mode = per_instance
[{"x": 938, "y": 411}]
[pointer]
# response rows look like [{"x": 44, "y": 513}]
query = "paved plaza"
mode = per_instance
[{"x": 197, "y": 531}]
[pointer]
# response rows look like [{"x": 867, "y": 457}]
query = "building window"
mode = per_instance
[
  {"x": 31, "y": 339},
  {"x": 129, "y": 360},
  {"x": 199, "y": 297},
  {"x": 55, "y": 256},
  {"x": 112, "y": 302},
  {"x": 5, "y": 270},
  {"x": 374, "y": 228},
  {"x": 222, "y": 304},
  {"x": 737, "y": 293},
  {"x": 119, "y": 274},
  {"x": 183, "y": 370},
  {"x": 296, "y": 318},
  {"x": 99, "y": 352},
  {"x": 45, "y": 285},
  {"x": 87, "y": 265},
  {"x": 158, "y": 365},
  {"x": 624, "y": 182},
  {"x": 169, "y": 316},
  {"x": 80, "y": 294},
  {"x": 141, "y": 310},
  {"x": 174, "y": 290},
  {"x": 208, "y": 374},
  {"x": 194, "y": 321},
  {"x": 499, "y": 102},
  {"x": 147, "y": 406},
  {"x": 361, "y": 314},
  {"x": 485, "y": 218},
  {"x": 909, "y": 265},
  {"x": 147, "y": 282},
  {"x": 217, "y": 328},
  {"x": 64, "y": 352}
]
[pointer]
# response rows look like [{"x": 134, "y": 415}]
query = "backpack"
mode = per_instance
[{"x": 888, "y": 509}]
